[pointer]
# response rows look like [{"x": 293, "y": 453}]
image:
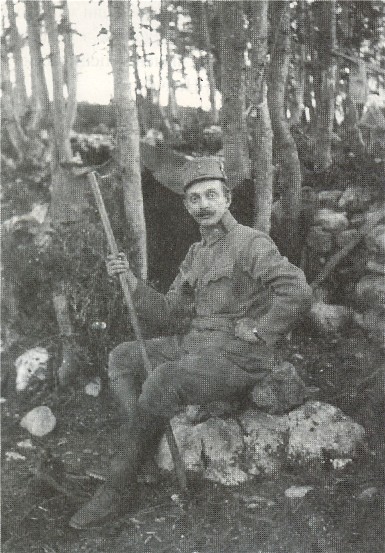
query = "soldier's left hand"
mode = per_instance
[{"x": 245, "y": 330}]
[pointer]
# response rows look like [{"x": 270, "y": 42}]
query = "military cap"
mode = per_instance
[{"x": 202, "y": 168}]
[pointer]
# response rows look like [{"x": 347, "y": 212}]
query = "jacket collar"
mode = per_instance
[{"x": 210, "y": 235}]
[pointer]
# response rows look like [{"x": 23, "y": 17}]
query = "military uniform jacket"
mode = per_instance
[{"x": 233, "y": 273}]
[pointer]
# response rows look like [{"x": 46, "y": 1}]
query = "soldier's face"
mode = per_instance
[{"x": 206, "y": 201}]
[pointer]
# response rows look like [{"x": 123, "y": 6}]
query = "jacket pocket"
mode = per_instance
[{"x": 221, "y": 269}]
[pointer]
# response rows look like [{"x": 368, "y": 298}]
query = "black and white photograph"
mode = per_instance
[{"x": 193, "y": 276}]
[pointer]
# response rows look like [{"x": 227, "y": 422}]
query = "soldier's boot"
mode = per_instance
[{"x": 139, "y": 439}]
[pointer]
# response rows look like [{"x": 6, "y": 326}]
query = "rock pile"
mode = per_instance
[
  {"x": 236, "y": 449},
  {"x": 341, "y": 220}
]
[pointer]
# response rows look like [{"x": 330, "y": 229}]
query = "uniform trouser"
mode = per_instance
[{"x": 148, "y": 401}]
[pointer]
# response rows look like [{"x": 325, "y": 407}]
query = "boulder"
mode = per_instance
[
  {"x": 355, "y": 198},
  {"x": 281, "y": 391},
  {"x": 234, "y": 450},
  {"x": 32, "y": 365},
  {"x": 329, "y": 198},
  {"x": 266, "y": 438},
  {"x": 370, "y": 290},
  {"x": 318, "y": 427},
  {"x": 319, "y": 240},
  {"x": 329, "y": 318},
  {"x": 331, "y": 220},
  {"x": 39, "y": 422},
  {"x": 375, "y": 240},
  {"x": 345, "y": 237},
  {"x": 376, "y": 265},
  {"x": 214, "y": 448}
]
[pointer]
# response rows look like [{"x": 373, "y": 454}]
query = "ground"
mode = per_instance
[{"x": 343, "y": 512}]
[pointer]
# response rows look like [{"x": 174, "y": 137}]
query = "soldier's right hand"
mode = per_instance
[{"x": 117, "y": 265}]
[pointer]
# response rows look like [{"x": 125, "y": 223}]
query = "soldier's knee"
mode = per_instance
[
  {"x": 160, "y": 392},
  {"x": 122, "y": 360}
]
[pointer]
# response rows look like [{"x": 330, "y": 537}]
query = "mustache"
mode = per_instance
[{"x": 205, "y": 213}]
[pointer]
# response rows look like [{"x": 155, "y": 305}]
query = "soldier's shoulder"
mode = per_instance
[{"x": 244, "y": 232}]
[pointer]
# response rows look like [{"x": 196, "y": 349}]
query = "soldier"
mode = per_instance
[{"x": 239, "y": 296}]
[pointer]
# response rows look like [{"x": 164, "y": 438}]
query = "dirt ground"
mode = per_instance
[{"x": 344, "y": 512}]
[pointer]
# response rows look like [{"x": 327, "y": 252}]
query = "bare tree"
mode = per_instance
[
  {"x": 70, "y": 73},
  {"x": 287, "y": 155},
  {"x": 259, "y": 118},
  {"x": 325, "y": 14},
  {"x": 127, "y": 131},
  {"x": 39, "y": 98},
  {"x": 15, "y": 47},
  {"x": 233, "y": 120},
  {"x": 209, "y": 60}
]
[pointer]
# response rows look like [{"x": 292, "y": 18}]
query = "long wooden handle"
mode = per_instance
[{"x": 178, "y": 463}]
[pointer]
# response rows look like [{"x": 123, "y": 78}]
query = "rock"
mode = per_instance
[
  {"x": 319, "y": 240},
  {"x": 377, "y": 267},
  {"x": 317, "y": 427},
  {"x": 329, "y": 198},
  {"x": 14, "y": 456},
  {"x": 331, "y": 220},
  {"x": 93, "y": 388},
  {"x": 357, "y": 220},
  {"x": 212, "y": 448},
  {"x": 368, "y": 494},
  {"x": 345, "y": 237},
  {"x": 375, "y": 240},
  {"x": 355, "y": 198},
  {"x": 370, "y": 290},
  {"x": 329, "y": 318},
  {"x": 234, "y": 450},
  {"x": 26, "y": 444},
  {"x": 29, "y": 366},
  {"x": 39, "y": 422},
  {"x": 373, "y": 321},
  {"x": 295, "y": 492},
  {"x": 266, "y": 437},
  {"x": 282, "y": 390}
]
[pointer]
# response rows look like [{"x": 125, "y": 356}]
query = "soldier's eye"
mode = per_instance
[{"x": 211, "y": 194}]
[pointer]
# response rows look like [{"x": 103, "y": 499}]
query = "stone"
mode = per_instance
[
  {"x": 345, "y": 237},
  {"x": 317, "y": 427},
  {"x": 39, "y": 422},
  {"x": 31, "y": 365},
  {"x": 282, "y": 390},
  {"x": 212, "y": 448},
  {"x": 14, "y": 456},
  {"x": 355, "y": 198},
  {"x": 295, "y": 492},
  {"x": 329, "y": 198},
  {"x": 370, "y": 290},
  {"x": 375, "y": 240},
  {"x": 373, "y": 321},
  {"x": 234, "y": 450},
  {"x": 329, "y": 318},
  {"x": 266, "y": 437},
  {"x": 26, "y": 444},
  {"x": 331, "y": 220},
  {"x": 319, "y": 240},
  {"x": 93, "y": 388},
  {"x": 377, "y": 267}
]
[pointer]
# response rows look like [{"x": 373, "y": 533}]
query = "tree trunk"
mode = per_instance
[
  {"x": 259, "y": 118},
  {"x": 233, "y": 73},
  {"x": 172, "y": 109},
  {"x": 69, "y": 69},
  {"x": 20, "y": 101},
  {"x": 61, "y": 147},
  {"x": 40, "y": 99},
  {"x": 127, "y": 132},
  {"x": 299, "y": 73},
  {"x": 209, "y": 62},
  {"x": 9, "y": 116},
  {"x": 287, "y": 154},
  {"x": 325, "y": 14}
]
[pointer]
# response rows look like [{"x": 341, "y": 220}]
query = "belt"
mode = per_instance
[{"x": 216, "y": 322}]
